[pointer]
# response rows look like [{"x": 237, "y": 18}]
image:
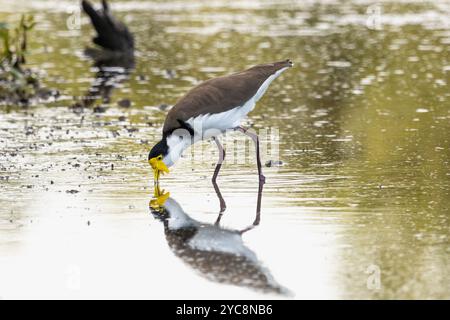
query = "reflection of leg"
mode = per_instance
[
  {"x": 223, "y": 206},
  {"x": 262, "y": 179},
  {"x": 258, "y": 205},
  {"x": 248, "y": 228},
  {"x": 157, "y": 190},
  {"x": 219, "y": 217}
]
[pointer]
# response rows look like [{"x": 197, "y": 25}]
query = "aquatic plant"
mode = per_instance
[
  {"x": 14, "y": 42},
  {"x": 18, "y": 85}
]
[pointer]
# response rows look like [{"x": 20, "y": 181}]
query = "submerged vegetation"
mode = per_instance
[{"x": 18, "y": 85}]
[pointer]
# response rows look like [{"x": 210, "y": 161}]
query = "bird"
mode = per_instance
[
  {"x": 216, "y": 253},
  {"x": 114, "y": 59},
  {"x": 112, "y": 35},
  {"x": 210, "y": 109}
]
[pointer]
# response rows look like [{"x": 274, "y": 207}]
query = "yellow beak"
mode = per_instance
[{"x": 158, "y": 167}]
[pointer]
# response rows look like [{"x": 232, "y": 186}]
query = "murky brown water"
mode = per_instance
[{"x": 363, "y": 122}]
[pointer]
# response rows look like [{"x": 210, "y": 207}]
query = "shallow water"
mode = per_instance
[{"x": 363, "y": 121}]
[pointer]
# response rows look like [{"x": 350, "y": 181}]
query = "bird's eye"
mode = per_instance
[{"x": 159, "y": 157}]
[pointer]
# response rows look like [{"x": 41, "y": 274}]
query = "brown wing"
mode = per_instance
[{"x": 220, "y": 94}]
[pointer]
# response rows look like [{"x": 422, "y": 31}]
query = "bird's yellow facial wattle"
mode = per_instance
[{"x": 158, "y": 165}]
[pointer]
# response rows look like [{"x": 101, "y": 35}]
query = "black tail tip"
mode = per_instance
[{"x": 86, "y": 5}]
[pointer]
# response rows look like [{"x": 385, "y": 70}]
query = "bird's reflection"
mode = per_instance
[
  {"x": 217, "y": 253},
  {"x": 111, "y": 72}
]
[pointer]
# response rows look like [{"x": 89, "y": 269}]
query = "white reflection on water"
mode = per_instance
[{"x": 79, "y": 246}]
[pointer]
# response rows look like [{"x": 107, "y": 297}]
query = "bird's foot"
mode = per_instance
[
  {"x": 217, "y": 223},
  {"x": 257, "y": 220}
]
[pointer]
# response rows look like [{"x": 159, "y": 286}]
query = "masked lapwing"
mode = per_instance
[{"x": 210, "y": 109}]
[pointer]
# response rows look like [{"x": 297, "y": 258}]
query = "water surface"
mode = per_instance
[{"x": 363, "y": 121}]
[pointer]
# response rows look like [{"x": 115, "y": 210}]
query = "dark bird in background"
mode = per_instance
[
  {"x": 111, "y": 34},
  {"x": 216, "y": 253},
  {"x": 115, "y": 57}
]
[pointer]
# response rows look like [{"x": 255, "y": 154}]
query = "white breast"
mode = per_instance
[{"x": 208, "y": 125}]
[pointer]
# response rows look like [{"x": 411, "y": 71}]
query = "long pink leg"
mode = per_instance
[{"x": 223, "y": 206}]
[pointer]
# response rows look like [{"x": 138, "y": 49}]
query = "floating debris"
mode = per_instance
[
  {"x": 274, "y": 163},
  {"x": 124, "y": 103},
  {"x": 170, "y": 74},
  {"x": 100, "y": 109},
  {"x": 142, "y": 77},
  {"x": 77, "y": 108},
  {"x": 131, "y": 130}
]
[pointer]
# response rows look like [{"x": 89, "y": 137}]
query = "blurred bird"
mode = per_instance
[
  {"x": 115, "y": 57},
  {"x": 112, "y": 34}
]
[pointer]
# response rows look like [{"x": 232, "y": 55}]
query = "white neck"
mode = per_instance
[
  {"x": 266, "y": 84},
  {"x": 177, "y": 143}
]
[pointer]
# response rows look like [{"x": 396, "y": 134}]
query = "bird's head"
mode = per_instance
[
  {"x": 158, "y": 158},
  {"x": 167, "y": 151}
]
